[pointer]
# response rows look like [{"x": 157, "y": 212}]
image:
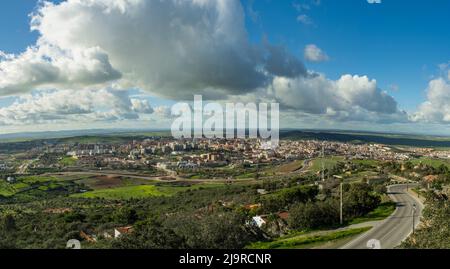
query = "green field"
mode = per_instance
[
  {"x": 367, "y": 162},
  {"x": 383, "y": 211},
  {"x": 308, "y": 240},
  {"x": 36, "y": 186},
  {"x": 68, "y": 161},
  {"x": 141, "y": 191},
  {"x": 359, "y": 176},
  {"x": 328, "y": 162},
  {"x": 123, "y": 193},
  {"x": 6, "y": 189},
  {"x": 431, "y": 162},
  {"x": 39, "y": 179}
]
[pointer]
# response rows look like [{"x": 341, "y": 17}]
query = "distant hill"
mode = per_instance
[
  {"x": 73, "y": 134},
  {"x": 120, "y": 135},
  {"x": 367, "y": 137}
]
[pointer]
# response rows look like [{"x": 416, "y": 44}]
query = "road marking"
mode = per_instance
[{"x": 374, "y": 244}]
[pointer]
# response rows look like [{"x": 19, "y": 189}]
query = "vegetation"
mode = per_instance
[
  {"x": 359, "y": 200},
  {"x": 42, "y": 211},
  {"x": 123, "y": 193},
  {"x": 68, "y": 161},
  {"x": 304, "y": 240},
  {"x": 328, "y": 163},
  {"x": 359, "y": 137},
  {"x": 383, "y": 211},
  {"x": 436, "y": 231}
]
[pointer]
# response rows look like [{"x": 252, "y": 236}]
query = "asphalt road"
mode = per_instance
[{"x": 392, "y": 231}]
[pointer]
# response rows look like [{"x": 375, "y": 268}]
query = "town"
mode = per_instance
[{"x": 172, "y": 154}]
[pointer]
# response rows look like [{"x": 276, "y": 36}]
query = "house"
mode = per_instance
[
  {"x": 89, "y": 238},
  {"x": 430, "y": 178},
  {"x": 252, "y": 206},
  {"x": 283, "y": 215},
  {"x": 262, "y": 191},
  {"x": 118, "y": 232},
  {"x": 10, "y": 179},
  {"x": 107, "y": 235},
  {"x": 259, "y": 221}
]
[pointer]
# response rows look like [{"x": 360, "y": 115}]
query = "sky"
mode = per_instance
[{"x": 376, "y": 65}]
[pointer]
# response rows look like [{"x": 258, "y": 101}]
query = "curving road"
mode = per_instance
[{"x": 393, "y": 230}]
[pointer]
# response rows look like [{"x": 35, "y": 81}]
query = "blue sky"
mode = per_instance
[
  {"x": 396, "y": 42},
  {"x": 15, "y": 34},
  {"x": 400, "y": 44}
]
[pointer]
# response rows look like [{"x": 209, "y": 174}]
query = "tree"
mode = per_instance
[
  {"x": 9, "y": 222},
  {"x": 286, "y": 197},
  {"x": 126, "y": 215},
  {"x": 359, "y": 199},
  {"x": 150, "y": 234},
  {"x": 214, "y": 231},
  {"x": 314, "y": 215},
  {"x": 181, "y": 231}
]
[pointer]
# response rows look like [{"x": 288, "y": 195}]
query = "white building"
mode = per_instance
[
  {"x": 118, "y": 232},
  {"x": 259, "y": 221}
]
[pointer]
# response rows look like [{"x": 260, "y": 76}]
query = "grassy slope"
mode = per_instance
[
  {"x": 381, "y": 212},
  {"x": 68, "y": 161},
  {"x": 329, "y": 162},
  {"x": 123, "y": 192},
  {"x": 288, "y": 168},
  {"x": 431, "y": 162},
  {"x": 307, "y": 240},
  {"x": 141, "y": 191}
]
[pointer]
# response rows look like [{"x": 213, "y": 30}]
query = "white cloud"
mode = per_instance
[
  {"x": 305, "y": 19},
  {"x": 141, "y": 106},
  {"x": 313, "y": 53},
  {"x": 349, "y": 98},
  {"x": 163, "y": 111},
  {"x": 46, "y": 66},
  {"x": 170, "y": 48},
  {"x": 67, "y": 105},
  {"x": 436, "y": 109}
]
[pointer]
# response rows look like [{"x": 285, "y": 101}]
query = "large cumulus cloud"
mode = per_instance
[
  {"x": 174, "y": 49},
  {"x": 66, "y": 105},
  {"x": 348, "y": 98},
  {"x": 47, "y": 66}
]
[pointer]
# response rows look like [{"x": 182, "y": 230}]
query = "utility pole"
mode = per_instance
[
  {"x": 413, "y": 218},
  {"x": 341, "y": 205},
  {"x": 323, "y": 165}
]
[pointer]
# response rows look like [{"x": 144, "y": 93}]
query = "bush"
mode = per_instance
[
  {"x": 314, "y": 215},
  {"x": 284, "y": 198},
  {"x": 359, "y": 199}
]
